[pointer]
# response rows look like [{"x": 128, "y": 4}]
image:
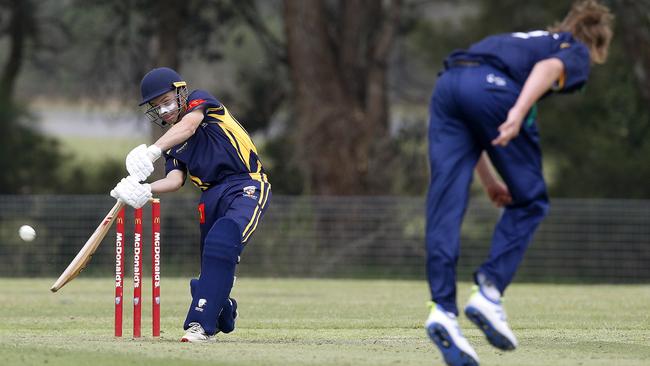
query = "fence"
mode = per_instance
[{"x": 373, "y": 237}]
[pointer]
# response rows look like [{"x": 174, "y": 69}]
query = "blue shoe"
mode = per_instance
[
  {"x": 443, "y": 329},
  {"x": 490, "y": 317}
]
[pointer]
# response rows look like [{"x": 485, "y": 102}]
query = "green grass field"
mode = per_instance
[
  {"x": 319, "y": 322},
  {"x": 98, "y": 149}
]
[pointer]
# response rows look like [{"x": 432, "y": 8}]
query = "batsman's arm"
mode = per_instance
[
  {"x": 171, "y": 183},
  {"x": 139, "y": 162},
  {"x": 181, "y": 131}
]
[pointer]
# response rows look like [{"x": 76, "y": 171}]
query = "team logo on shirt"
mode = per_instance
[
  {"x": 496, "y": 80},
  {"x": 249, "y": 191},
  {"x": 194, "y": 103}
]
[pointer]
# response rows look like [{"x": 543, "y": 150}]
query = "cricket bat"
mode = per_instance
[{"x": 82, "y": 258}]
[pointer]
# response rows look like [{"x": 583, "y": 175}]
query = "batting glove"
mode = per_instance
[
  {"x": 131, "y": 192},
  {"x": 139, "y": 162}
]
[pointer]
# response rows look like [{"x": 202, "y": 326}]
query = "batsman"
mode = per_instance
[{"x": 206, "y": 143}]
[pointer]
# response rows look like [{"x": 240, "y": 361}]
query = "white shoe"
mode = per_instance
[
  {"x": 490, "y": 317},
  {"x": 196, "y": 334},
  {"x": 443, "y": 329}
]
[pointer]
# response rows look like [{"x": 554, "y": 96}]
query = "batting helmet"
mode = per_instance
[{"x": 158, "y": 82}]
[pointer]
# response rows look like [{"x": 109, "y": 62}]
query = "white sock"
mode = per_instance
[
  {"x": 488, "y": 288},
  {"x": 491, "y": 292}
]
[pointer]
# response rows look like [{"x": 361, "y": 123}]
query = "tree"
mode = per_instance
[
  {"x": 20, "y": 26},
  {"x": 338, "y": 55},
  {"x": 634, "y": 19},
  {"x": 31, "y": 161},
  {"x": 169, "y": 15},
  {"x": 595, "y": 142}
]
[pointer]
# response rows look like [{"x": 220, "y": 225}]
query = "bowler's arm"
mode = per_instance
[
  {"x": 544, "y": 74},
  {"x": 485, "y": 171},
  {"x": 496, "y": 190}
]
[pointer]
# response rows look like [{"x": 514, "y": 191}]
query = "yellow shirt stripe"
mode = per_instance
[
  {"x": 259, "y": 214},
  {"x": 238, "y": 137},
  {"x": 255, "y": 213}
]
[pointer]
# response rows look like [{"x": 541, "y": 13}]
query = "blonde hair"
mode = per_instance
[{"x": 591, "y": 23}]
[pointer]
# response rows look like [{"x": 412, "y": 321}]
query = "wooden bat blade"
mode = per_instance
[{"x": 82, "y": 258}]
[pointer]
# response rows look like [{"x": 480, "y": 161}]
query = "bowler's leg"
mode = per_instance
[
  {"x": 520, "y": 165},
  {"x": 452, "y": 155}
]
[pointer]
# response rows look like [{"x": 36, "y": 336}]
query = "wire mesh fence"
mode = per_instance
[{"x": 372, "y": 237}]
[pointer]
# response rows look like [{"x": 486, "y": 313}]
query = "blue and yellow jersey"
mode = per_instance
[
  {"x": 219, "y": 151},
  {"x": 517, "y": 53}
]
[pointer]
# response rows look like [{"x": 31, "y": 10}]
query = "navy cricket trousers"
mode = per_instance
[
  {"x": 229, "y": 214},
  {"x": 244, "y": 201},
  {"x": 467, "y": 107}
]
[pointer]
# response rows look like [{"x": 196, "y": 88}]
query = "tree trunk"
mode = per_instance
[
  {"x": 339, "y": 86},
  {"x": 18, "y": 31},
  {"x": 636, "y": 39},
  {"x": 167, "y": 53},
  {"x": 634, "y": 29}
]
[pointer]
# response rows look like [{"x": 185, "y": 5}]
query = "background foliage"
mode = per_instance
[{"x": 595, "y": 143}]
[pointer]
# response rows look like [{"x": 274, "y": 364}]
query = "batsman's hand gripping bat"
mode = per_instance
[{"x": 85, "y": 254}]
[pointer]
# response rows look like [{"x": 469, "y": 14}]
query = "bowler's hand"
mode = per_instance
[
  {"x": 499, "y": 194},
  {"x": 510, "y": 128}
]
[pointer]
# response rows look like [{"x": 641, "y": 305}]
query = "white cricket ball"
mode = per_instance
[{"x": 27, "y": 233}]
